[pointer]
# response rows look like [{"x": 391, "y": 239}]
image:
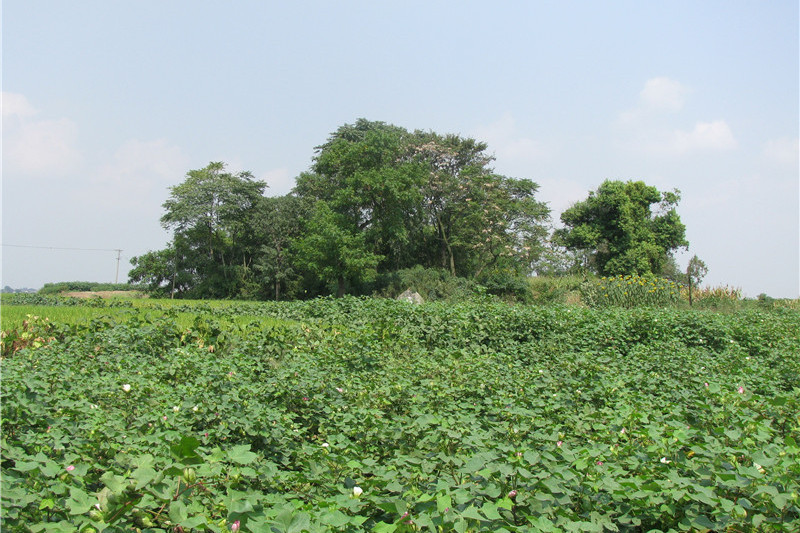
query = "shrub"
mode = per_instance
[
  {"x": 630, "y": 291},
  {"x": 84, "y": 286},
  {"x": 554, "y": 289},
  {"x": 431, "y": 283},
  {"x": 722, "y": 297}
]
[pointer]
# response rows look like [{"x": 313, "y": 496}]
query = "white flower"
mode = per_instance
[
  {"x": 325, "y": 444},
  {"x": 196, "y": 408},
  {"x": 357, "y": 491},
  {"x": 126, "y": 387},
  {"x": 176, "y": 408},
  {"x": 665, "y": 460}
]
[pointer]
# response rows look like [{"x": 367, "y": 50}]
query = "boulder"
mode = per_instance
[{"x": 411, "y": 296}]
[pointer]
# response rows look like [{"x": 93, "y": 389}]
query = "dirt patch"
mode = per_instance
[{"x": 105, "y": 294}]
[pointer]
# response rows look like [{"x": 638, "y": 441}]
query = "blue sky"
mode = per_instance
[{"x": 107, "y": 104}]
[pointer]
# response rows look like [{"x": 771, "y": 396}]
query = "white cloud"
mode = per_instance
[
  {"x": 36, "y": 147},
  {"x": 783, "y": 151},
  {"x": 502, "y": 138},
  {"x": 659, "y": 95},
  {"x": 706, "y": 136},
  {"x": 15, "y": 104},
  {"x": 140, "y": 171},
  {"x": 662, "y": 94}
]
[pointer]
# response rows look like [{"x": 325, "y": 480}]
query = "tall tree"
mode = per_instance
[
  {"x": 361, "y": 174},
  {"x": 479, "y": 218},
  {"x": 696, "y": 270},
  {"x": 621, "y": 231},
  {"x": 277, "y": 222},
  {"x": 209, "y": 215},
  {"x": 334, "y": 253}
]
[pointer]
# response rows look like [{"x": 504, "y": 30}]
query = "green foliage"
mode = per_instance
[
  {"x": 86, "y": 286},
  {"x": 212, "y": 249},
  {"x": 555, "y": 289},
  {"x": 630, "y": 292},
  {"x": 431, "y": 283},
  {"x": 374, "y": 415},
  {"x": 333, "y": 252},
  {"x": 617, "y": 226}
]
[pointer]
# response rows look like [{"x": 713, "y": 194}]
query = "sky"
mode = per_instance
[{"x": 106, "y": 105}]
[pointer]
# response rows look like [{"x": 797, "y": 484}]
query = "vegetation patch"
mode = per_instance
[{"x": 365, "y": 414}]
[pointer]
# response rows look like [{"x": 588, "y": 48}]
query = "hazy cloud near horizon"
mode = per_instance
[{"x": 706, "y": 101}]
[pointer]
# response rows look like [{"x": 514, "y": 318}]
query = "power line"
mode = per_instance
[
  {"x": 63, "y": 248},
  {"x": 118, "y": 250}
]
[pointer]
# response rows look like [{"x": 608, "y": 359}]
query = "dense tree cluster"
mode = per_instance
[{"x": 379, "y": 199}]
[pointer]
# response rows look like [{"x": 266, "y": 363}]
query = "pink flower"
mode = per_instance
[
  {"x": 559, "y": 443},
  {"x": 599, "y": 463},
  {"x": 741, "y": 390},
  {"x": 305, "y": 398},
  {"x": 165, "y": 417},
  {"x": 706, "y": 383},
  {"x": 235, "y": 526},
  {"x": 512, "y": 494},
  {"x": 339, "y": 389},
  {"x": 70, "y": 468}
]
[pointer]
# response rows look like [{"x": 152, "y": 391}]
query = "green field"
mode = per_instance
[{"x": 378, "y": 415}]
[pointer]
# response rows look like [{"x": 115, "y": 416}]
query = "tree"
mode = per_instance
[
  {"x": 617, "y": 226},
  {"x": 479, "y": 219},
  {"x": 277, "y": 222},
  {"x": 212, "y": 248},
  {"x": 361, "y": 174},
  {"x": 210, "y": 211},
  {"x": 426, "y": 199},
  {"x": 696, "y": 270},
  {"x": 333, "y": 252}
]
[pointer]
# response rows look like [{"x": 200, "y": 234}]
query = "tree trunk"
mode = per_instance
[{"x": 340, "y": 287}]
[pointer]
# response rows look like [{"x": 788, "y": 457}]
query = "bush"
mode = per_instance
[
  {"x": 719, "y": 298},
  {"x": 431, "y": 283},
  {"x": 508, "y": 286},
  {"x": 547, "y": 290},
  {"x": 85, "y": 286},
  {"x": 630, "y": 291}
]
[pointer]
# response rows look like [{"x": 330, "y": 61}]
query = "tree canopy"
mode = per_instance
[
  {"x": 378, "y": 199},
  {"x": 621, "y": 232}
]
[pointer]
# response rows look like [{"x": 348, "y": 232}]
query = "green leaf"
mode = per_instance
[
  {"x": 184, "y": 451},
  {"x": 115, "y": 483},
  {"x": 143, "y": 475},
  {"x": 79, "y": 502},
  {"x": 703, "y": 522},
  {"x": 242, "y": 454},
  {"x": 489, "y": 510},
  {"x": 443, "y": 501},
  {"x": 178, "y": 512},
  {"x": 472, "y": 512}
]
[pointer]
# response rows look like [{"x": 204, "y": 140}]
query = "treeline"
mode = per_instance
[
  {"x": 380, "y": 203},
  {"x": 87, "y": 286}
]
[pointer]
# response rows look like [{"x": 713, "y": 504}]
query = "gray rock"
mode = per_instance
[{"x": 411, "y": 296}]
